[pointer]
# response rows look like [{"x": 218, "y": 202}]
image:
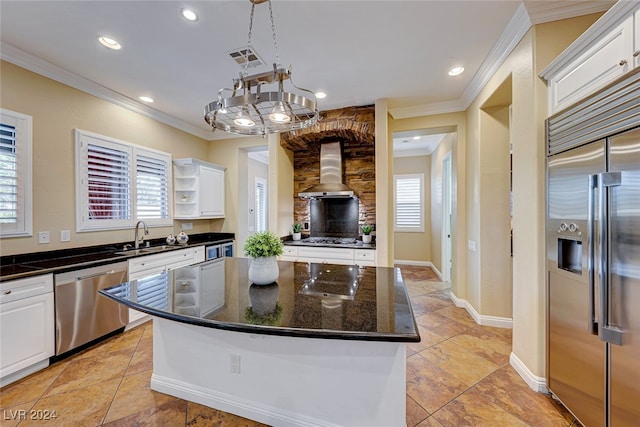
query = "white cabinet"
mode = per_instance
[
  {"x": 26, "y": 326},
  {"x": 199, "y": 189},
  {"x": 606, "y": 51},
  {"x": 149, "y": 265},
  {"x": 347, "y": 256}
]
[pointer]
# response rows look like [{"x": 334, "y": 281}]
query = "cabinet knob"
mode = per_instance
[
  {"x": 622, "y": 63},
  {"x": 7, "y": 292},
  {"x": 636, "y": 53}
]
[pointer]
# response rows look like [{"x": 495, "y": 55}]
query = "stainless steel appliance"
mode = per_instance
[
  {"x": 81, "y": 314},
  {"x": 220, "y": 250},
  {"x": 593, "y": 256}
]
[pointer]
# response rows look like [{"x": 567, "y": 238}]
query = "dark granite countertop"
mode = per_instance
[
  {"x": 58, "y": 261},
  {"x": 308, "y": 300}
]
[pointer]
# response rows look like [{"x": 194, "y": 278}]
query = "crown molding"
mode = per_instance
[
  {"x": 544, "y": 11},
  {"x": 39, "y": 66},
  {"x": 510, "y": 37}
]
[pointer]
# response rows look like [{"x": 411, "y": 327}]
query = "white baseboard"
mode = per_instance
[
  {"x": 234, "y": 405},
  {"x": 496, "y": 322},
  {"x": 536, "y": 383},
  {"x": 24, "y": 372},
  {"x": 420, "y": 263}
]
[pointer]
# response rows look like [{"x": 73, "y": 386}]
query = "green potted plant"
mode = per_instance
[
  {"x": 366, "y": 233},
  {"x": 296, "y": 231},
  {"x": 263, "y": 247}
]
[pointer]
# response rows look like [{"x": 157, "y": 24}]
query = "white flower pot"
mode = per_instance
[
  {"x": 366, "y": 238},
  {"x": 296, "y": 236},
  {"x": 263, "y": 271}
]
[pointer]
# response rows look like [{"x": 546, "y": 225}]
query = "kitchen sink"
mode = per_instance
[{"x": 150, "y": 250}]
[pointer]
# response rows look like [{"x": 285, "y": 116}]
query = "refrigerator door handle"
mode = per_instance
[
  {"x": 591, "y": 247},
  {"x": 606, "y": 332}
]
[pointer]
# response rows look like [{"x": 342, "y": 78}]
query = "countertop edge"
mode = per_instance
[{"x": 271, "y": 330}]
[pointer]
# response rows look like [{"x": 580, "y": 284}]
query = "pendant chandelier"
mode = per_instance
[{"x": 250, "y": 109}]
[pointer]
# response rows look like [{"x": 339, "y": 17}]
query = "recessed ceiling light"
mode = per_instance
[
  {"x": 320, "y": 95},
  {"x": 189, "y": 15},
  {"x": 109, "y": 42},
  {"x": 456, "y": 71},
  {"x": 417, "y": 137},
  {"x": 145, "y": 99}
]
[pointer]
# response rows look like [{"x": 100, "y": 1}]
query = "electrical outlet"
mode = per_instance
[
  {"x": 43, "y": 237},
  {"x": 234, "y": 366},
  {"x": 187, "y": 226}
]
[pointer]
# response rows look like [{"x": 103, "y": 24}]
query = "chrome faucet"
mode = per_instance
[{"x": 137, "y": 241}]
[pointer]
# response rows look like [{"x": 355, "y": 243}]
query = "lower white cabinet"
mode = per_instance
[
  {"x": 346, "y": 256},
  {"x": 27, "y": 326},
  {"x": 149, "y": 265}
]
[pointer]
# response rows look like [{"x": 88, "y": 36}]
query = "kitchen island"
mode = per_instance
[{"x": 324, "y": 346}]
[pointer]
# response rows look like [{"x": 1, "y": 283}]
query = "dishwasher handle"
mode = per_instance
[{"x": 91, "y": 276}]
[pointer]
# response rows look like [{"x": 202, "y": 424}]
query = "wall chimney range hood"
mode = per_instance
[{"x": 331, "y": 185}]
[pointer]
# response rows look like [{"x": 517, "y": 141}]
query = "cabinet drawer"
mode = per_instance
[
  {"x": 14, "y": 290},
  {"x": 198, "y": 254},
  {"x": 168, "y": 260},
  {"x": 290, "y": 251},
  {"x": 365, "y": 255},
  {"x": 334, "y": 253}
]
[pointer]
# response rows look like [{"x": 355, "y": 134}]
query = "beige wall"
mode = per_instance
[
  {"x": 527, "y": 137},
  {"x": 57, "y": 110},
  {"x": 415, "y": 246}
]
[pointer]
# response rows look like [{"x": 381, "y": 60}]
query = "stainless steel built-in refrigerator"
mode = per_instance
[{"x": 593, "y": 256}]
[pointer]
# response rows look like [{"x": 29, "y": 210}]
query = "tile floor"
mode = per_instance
[{"x": 459, "y": 375}]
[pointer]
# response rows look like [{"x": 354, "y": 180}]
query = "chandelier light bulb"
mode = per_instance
[
  {"x": 243, "y": 119},
  {"x": 279, "y": 114}
]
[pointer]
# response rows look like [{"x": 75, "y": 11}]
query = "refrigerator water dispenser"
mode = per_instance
[{"x": 570, "y": 255}]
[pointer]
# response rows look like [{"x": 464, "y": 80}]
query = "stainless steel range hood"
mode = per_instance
[{"x": 330, "y": 175}]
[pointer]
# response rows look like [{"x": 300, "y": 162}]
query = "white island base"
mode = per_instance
[{"x": 282, "y": 380}]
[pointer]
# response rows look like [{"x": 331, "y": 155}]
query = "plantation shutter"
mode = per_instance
[
  {"x": 261, "y": 206},
  {"x": 8, "y": 174},
  {"x": 409, "y": 202},
  {"x": 152, "y": 187},
  {"x": 108, "y": 183}
]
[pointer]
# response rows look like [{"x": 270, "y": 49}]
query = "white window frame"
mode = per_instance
[
  {"x": 23, "y": 227},
  {"x": 418, "y": 228},
  {"x": 83, "y": 223}
]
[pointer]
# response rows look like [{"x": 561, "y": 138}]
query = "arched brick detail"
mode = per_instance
[{"x": 351, "y": 124}]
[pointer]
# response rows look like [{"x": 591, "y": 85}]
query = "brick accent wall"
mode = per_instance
[{"x": 353, "y": 127}]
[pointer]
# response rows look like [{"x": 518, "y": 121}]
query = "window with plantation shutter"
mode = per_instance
[
  {"x": 120, "y": 183},
  {"x": 261, "y": 204},
  {"x": 409, "y": 203},
  {"x": 15, "y": 174},
  {"x": 152, "y": 187}
]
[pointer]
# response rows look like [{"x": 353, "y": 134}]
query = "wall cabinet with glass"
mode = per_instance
[{"x": 198, "y": 188}]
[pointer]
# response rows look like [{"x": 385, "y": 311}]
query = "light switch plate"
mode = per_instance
[
  {"x": 43, "y": 237},
  {"x": 65, "y": 235},
  {"x": 187, "y": 226}
]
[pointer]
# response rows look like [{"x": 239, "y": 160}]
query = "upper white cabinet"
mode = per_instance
[
  {"x": 199, "y": 189},
  {"x": 606, "y": 51}
]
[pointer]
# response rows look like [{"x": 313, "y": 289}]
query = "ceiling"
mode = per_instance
[{"x": 357, "y": 51}]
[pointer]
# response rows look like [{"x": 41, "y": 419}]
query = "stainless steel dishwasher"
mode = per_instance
[{"x": 82, "y": 315}]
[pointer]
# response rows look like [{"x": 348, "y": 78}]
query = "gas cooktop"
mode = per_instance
[{"x": 330, "y": 240}]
